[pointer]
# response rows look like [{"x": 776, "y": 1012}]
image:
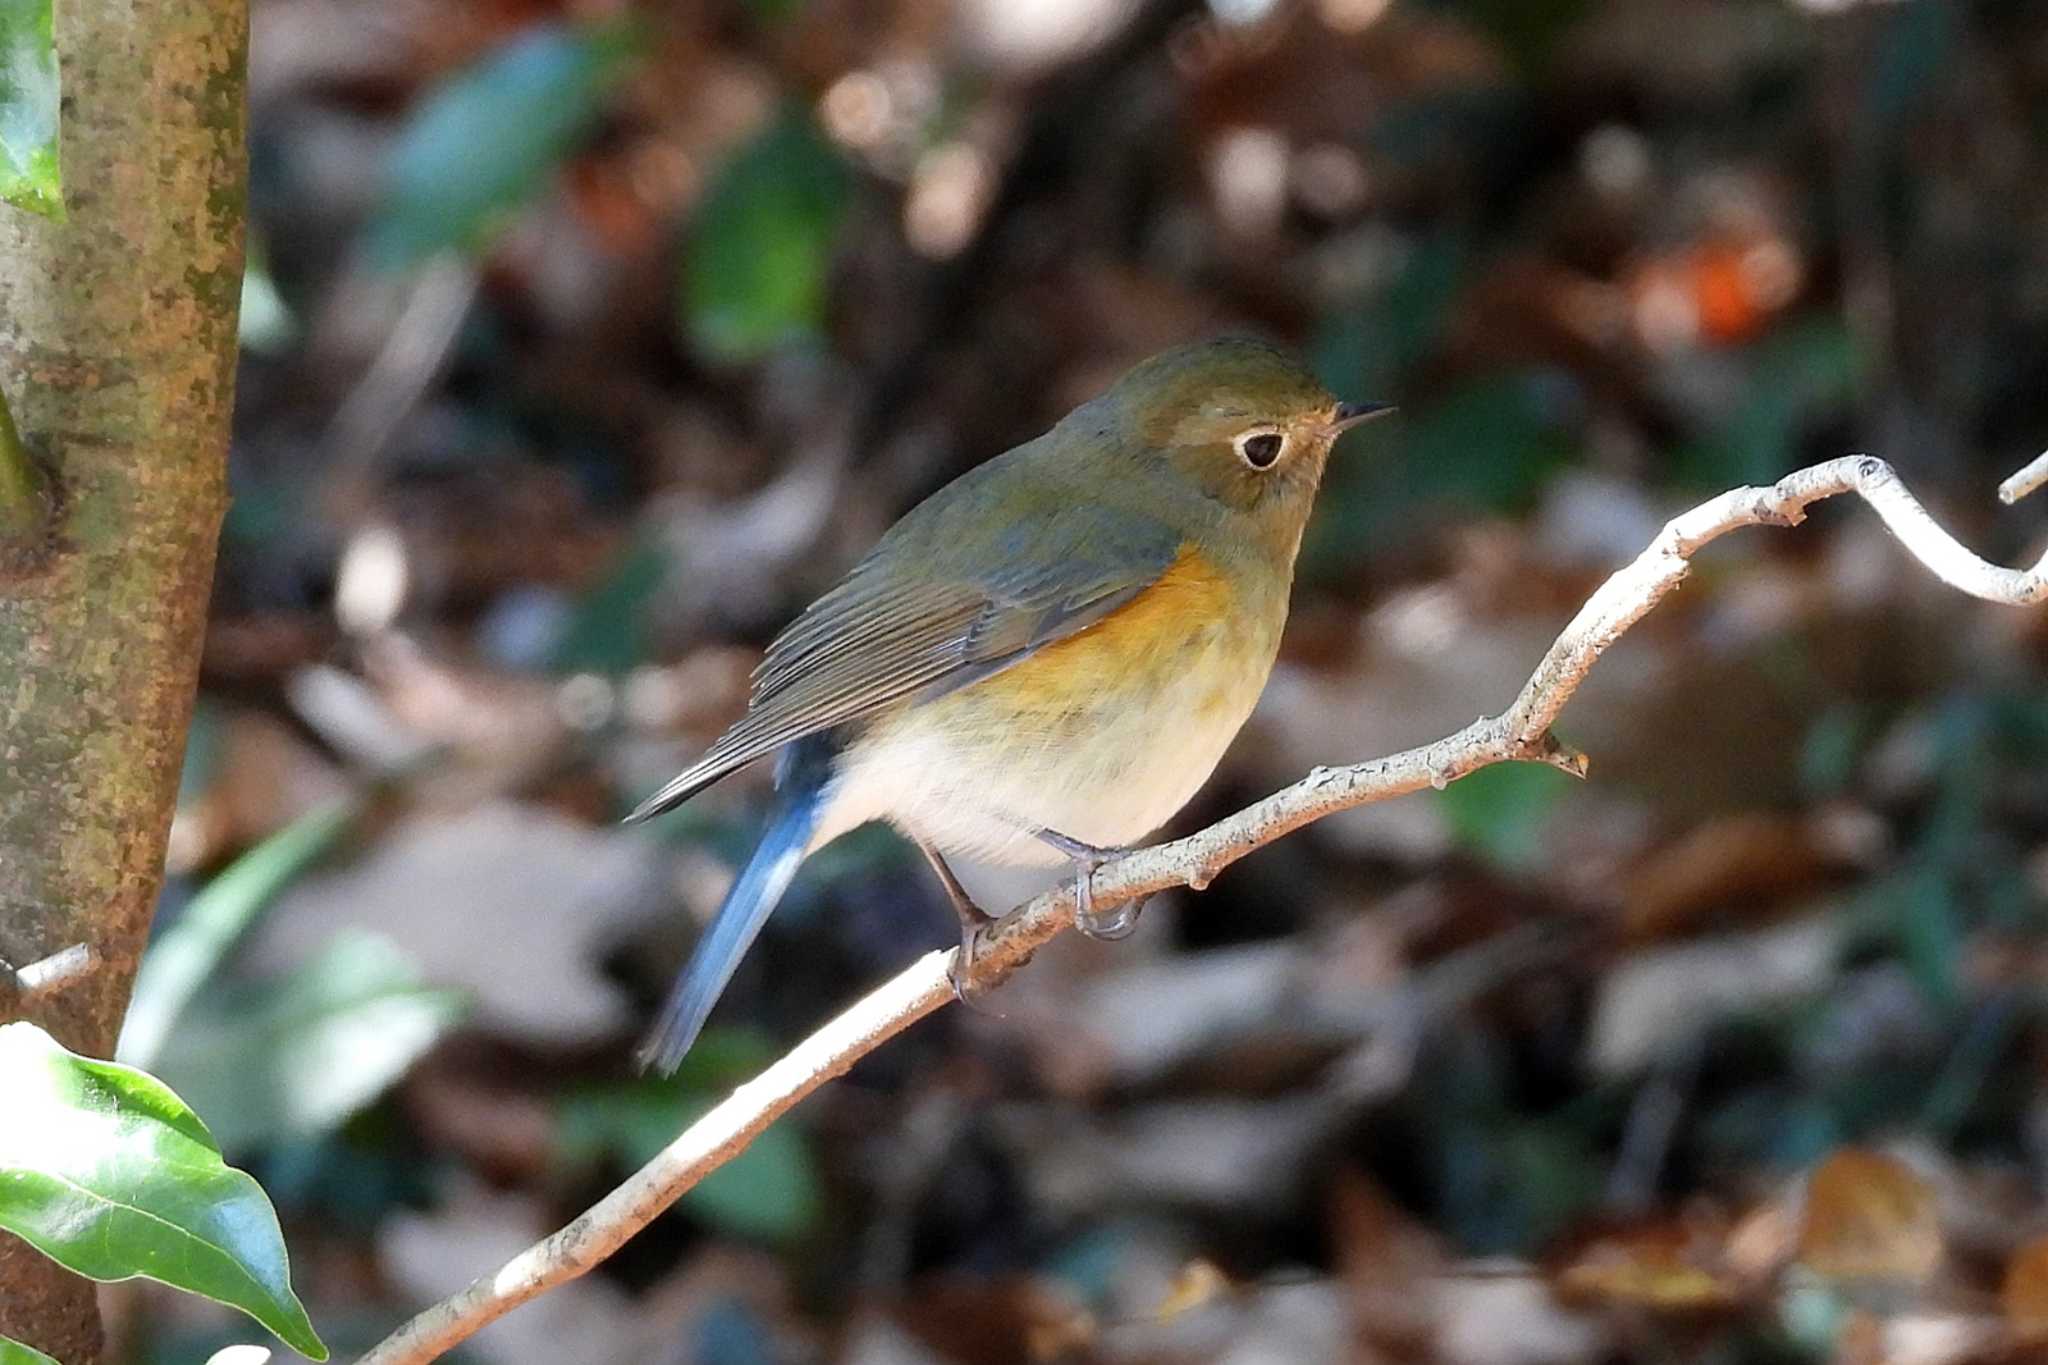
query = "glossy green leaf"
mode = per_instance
[
  {"x": 760, "y": 251},
  {"x": 186, "y": 954},
  {"x": 28, "y": 108},
  {"x": 769, "y": 1191},
  {"x": 481, "y": 146},
  {"x": 295, "y": 1057},
  {"x": 13, "y": 1352},
  {"x": 106, "y": 1171}
]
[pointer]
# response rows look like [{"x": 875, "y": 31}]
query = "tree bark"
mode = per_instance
[{"x": 117, "y": 353}]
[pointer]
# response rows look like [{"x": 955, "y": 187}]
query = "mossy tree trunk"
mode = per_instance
[{"x": 117, "y": 353}]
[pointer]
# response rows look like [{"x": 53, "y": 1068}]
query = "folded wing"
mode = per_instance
[{"x": 924, "y": 614}]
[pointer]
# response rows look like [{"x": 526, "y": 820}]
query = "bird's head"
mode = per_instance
[{"x": 1240, "y": 421}]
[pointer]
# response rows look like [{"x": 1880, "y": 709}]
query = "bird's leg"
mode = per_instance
[
  {"x": 973, "y": 919},
  {"x": 1117, "y": 923}
]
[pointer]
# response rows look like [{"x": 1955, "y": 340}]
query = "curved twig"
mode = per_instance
[{"x": 1521, "y": 733}]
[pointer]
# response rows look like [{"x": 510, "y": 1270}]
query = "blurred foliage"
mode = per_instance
[
  {"x": 1800, "y": 377},
  {"x": 482, "y": 145},
  {"x": 267, "y": 325},
  {"x": 295, "y": 1057},
  {"x": 755, "y": 268},
  {"x": 188, "y": 950},
  {"x": 29, "y": 100},
  {"x": 768, "y": 1192},
  {"x": 607, "y": 631},
  {"x": 1500, "y": 812}
]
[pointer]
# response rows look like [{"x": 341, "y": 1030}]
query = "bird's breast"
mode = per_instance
[{"x": 1101, "y": 736}]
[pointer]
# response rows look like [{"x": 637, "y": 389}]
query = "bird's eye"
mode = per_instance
[{"x": 1260, "y": 448}]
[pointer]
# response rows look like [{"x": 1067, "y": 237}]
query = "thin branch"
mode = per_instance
[
  {"x": 59, "y": 969},
  {"x": 1519, "y": 734},
  {"x": 2026, "y": 481},
  {"x": 22, "y": 502},
  {"x": 415, "y": 353}
]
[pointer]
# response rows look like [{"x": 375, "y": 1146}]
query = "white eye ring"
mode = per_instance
[{"x": 1261, "y": 448}]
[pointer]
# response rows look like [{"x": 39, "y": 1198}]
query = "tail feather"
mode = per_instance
[{"x": 753, "y": 897}]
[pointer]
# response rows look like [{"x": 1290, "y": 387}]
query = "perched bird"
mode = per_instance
[{"x": 1042, "y": 661}]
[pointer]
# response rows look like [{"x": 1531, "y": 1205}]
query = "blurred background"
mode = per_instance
[{"x": 586, "y": 342}]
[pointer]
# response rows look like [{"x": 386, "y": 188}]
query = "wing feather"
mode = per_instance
[{"x": 879, "y": 637}]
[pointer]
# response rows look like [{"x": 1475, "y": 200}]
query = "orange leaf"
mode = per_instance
[
  {"x": 1869, "y": 1216},
  {"x": 1198, "y": 1283},
  {"x": 2025, "y": 1292},
  {"x": 1669, "y": 1266}
]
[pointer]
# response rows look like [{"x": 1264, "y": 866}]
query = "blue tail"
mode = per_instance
[{"x": 800, "y": 779}]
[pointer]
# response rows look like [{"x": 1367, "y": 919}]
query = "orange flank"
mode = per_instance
[{"x": 1175, "y": 625}]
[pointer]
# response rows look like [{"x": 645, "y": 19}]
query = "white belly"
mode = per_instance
[{"x": 940, "y": 773}]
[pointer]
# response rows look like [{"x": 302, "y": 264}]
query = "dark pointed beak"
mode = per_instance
[{"x": 1350, "y": 415}]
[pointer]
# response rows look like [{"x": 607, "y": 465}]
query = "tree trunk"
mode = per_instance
[{"x": 117, "y": 354}]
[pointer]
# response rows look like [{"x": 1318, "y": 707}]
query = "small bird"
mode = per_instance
[{"x": 1042, "y": 661}]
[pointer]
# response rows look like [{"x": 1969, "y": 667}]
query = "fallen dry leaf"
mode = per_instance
[
  {"x": 2024, "y": 1295},
  {"x": 1199, "y": 1282},
  {"x": 1869, "y": 1216},
  {"x": 1671, "y": 1265}
]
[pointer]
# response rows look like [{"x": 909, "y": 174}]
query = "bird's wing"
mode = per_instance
[{"x": 884, "y": 634}]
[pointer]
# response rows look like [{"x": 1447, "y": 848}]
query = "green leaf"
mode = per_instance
[
  {"x": 755, "y": 270},
  {"x": 107, "y": 1172},
  {"x": 267, "y": 325},
  {"x": 1832, "y": 747},
  {"x": 1490, "y": 444},
  {"x": 769, "y": 1191},
  {"x": 1501, "y": 812},
  {"x": 1798, "y": 375},
  {"x": 481, "y": 146},
  {"x": 13, "y": 1352},
  {"x": 185, "y": 955},
  {"x": 607, "y": 633},
  {"x": 295, "y": 1057},
  {"x": 1493, "y": 443},
  {"x": 1362, "y": 348},
  {"x": 28, "y": 108}
]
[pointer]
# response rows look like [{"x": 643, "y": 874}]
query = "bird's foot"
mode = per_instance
[
  {"x": 960, "y": 971},
  {"x": 973, "y": 921},
  {"x": 1110, "y": 925}
]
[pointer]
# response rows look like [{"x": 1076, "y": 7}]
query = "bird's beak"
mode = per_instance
[{"x": 1350, "y": 415}]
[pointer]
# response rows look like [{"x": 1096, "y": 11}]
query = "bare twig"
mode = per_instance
[
  {"x": 2026, "y": 481},
  {"x": 54, "y": 972},
  {"x": 1519, "y": 734},
  {"x": 415, "y": 354},
  {"x": 59, "y": 969}
]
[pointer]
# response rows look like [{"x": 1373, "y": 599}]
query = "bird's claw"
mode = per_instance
[
  {"x": 1111, "y": 925},
  {"x": 975, "y": 924},
  {"x": 960, "y": 969}
]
